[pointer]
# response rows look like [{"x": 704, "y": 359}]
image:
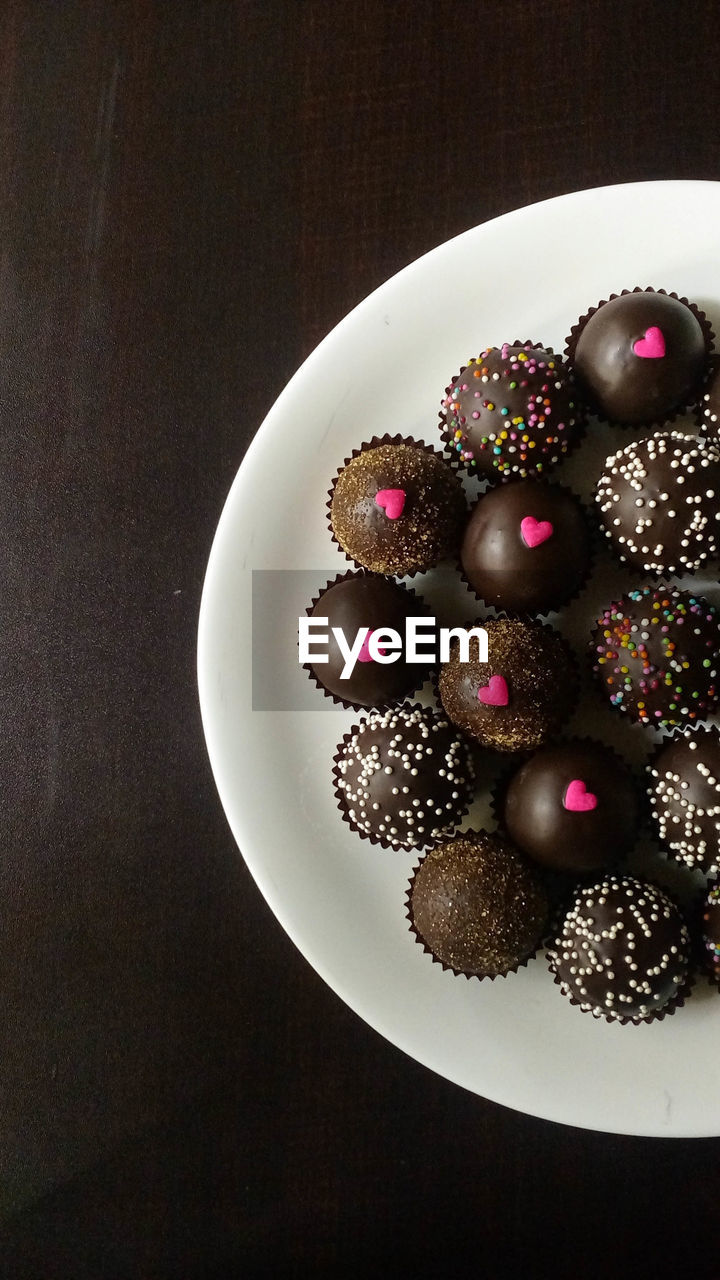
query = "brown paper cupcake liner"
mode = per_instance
[
  {"x": 374, "y": 443},
  {"x": 494, "y": 477},
  {"x": 423, "y": 672},
  {"x": 594, "y": 542},
  {"x": 522, "y": 753},
  {"x": 686, "y": 406},
  {"x": 372, "y": 837},
  {"x": 675, "y": 1002},
  {"x": 659, "y": 748},
  {"x": 461, "y": 973}
]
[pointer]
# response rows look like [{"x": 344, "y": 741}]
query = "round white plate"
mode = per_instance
[{"x": 271, "y": 735}]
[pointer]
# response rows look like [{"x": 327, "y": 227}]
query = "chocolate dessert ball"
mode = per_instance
[
  {"x": 403, "y": 777},
  {"x": 660, "y": 502},
  {"x": 623, "y": 950},
  {"x": 477, "y": 906},
  {"x": 397, "y": 508},
  {"x": 710, "y": 402},
  {"x": 710, "y": 932},
  {"x": 526, "y": 547},
  {"x": 655, "y": 654},
  {"x": 365, "y": 600},
  {"x": 512, "y": 412},
  {"x": 684, "y": 795},
  {"x": 520, "y": 696},
  {"x": 572, "y": 807},
  {"x": 640, "y": 356}
]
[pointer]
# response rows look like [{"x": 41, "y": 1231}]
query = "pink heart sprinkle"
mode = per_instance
[
  {"x": 577, "y": 797},
  {"x": 652, "y": 346},
  {"x": 494, "y": 693},
  {"x": 533, "y": 531},
  {"x": 392, "y": 501},
  {"x": 365, "y": 654}
]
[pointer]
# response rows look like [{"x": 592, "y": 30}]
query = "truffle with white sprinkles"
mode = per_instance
[
  {"x": 684, "y": 794},
  {"x": 623, "y": 951},
  {"x": 659, "y": 502},
  {"x": 403, "y": 778}
]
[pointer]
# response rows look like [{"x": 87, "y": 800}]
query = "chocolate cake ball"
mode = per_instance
[
  {"x": 623, "y": 950},
  {"x": 512, "y": 412},
  {"x": 526, "y": 547},
  {"x": 397, "y": 508},
  {"x": 684, "y": 795},
  {"x": 710, "y": 403},
  {"x": 640, "y": 356},
  {"x": 403, "y": 778},
  {"x": 710, "y": 932},
  {"x": 365, "y": 600},
  {"x": 572, "y": 807},
  {"x": 520, "y": 696},
  {"x": 655, "y": 654},
  {"x": 477, "y": 906},
  {"x": 660, "y": 502}
]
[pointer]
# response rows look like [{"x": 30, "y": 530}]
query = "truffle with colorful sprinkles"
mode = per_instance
[
  {"x": 655, "y": 653},
  {"x": 477, "y": 906},
  {"x": 397, "y": 508},
  {"x": 512, "y": 412},
  {"x": 518, "y": 698},
  {"x": 403, "y": 778},
  {"x": 659, "y": 501},
  {"x": 623, "y": 951},
  {"x": 641, "y": 356},
  {"x": 710, "y": 932},
  {"x": 684, "y": 794}
]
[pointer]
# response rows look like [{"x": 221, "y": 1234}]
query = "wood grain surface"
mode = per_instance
[{"x": 191, "y": 196}]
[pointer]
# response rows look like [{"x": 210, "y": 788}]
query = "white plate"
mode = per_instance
[{"x": 528, "y": 274}]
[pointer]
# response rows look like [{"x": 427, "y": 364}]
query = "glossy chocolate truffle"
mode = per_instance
[
  {"x": 403, "y": 777},
  {"x": 640, "y": 356},
  {"x": 512, "y": 412},
  {"x": 655, "y": 653},
  {"x": 659, "y": 501},
  {"x": 623, "y": 950},
  {"x": 365, "y": 600},
  {"x": 684, "y": 796},
  {"x": 520, "y": 696},
  {"x": 526, "y": 547},
  {"x": 397, "y": 508},
  {"x": 572, "y": 807},
  {"x": 710, "y": 932},
  {"x": 477, "y": 906}
]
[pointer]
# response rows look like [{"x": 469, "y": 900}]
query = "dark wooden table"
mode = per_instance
[{"x": 191, "y": 196}]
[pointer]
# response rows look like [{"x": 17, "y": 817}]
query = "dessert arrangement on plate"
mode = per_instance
[{"x": 551, "y": 878}]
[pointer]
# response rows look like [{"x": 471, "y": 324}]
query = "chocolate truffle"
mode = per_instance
[
  {"x": 684, "y": 795},
  {"x": 520, "y": 696},
  {"x": 660, "y": 502},
  {"x": 656, "y": 655},
  {"x": 477, "y": 906},
  {"x": 623, "y": 950},
  {"x": 397, "y": 508},
  {"x": 364, "y": 600},
  {"x": 710, "y": 932},
  {"x": 710, "y": 403},
  {"x": 403, "y": 777},
  {"x": 572, "y": 807},
  {"x": 511, "y": 412},
  {"x": 640, "y": 356},
  {"x": 526, "y": 547}
]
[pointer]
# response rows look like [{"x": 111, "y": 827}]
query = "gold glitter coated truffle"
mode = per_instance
[{"x": 477, "y": 905}]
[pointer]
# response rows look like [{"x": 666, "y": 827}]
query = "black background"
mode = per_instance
[{"x": 191, "y": 196}]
